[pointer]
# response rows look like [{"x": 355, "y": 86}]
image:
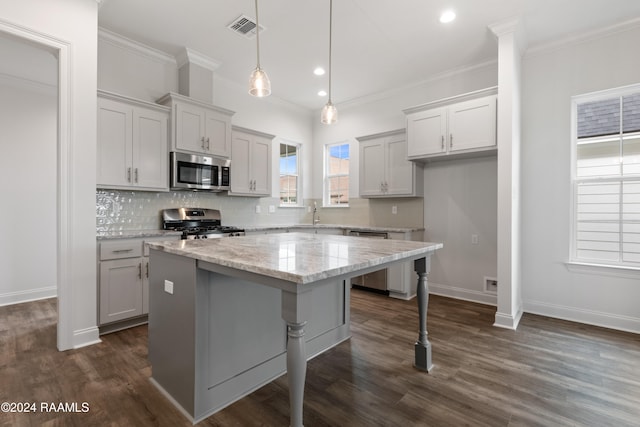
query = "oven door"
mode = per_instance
[{"x": 193, "y": 172}]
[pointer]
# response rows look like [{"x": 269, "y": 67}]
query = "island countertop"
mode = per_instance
[{"x": 299, "y": 258}]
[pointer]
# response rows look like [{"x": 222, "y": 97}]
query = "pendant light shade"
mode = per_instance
[
  {"x": 329, "y": 112},
  {"x": 259, "y": 84}
]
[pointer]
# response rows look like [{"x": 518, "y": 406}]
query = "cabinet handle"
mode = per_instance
[
  {"x": 128, "y": 174},
  {"x": 121, "y": 251},
  {"x": 253, "y": 184},
  {"x": 202, "y": 140},
  {"x": 136, "y": 175},
  {"x": 442, "y": 143},
  {"x": 147, "y": 269},
  {"x": 451, "y": 140},
  {"x": 140, "y": 271},
  {"x": 208, "y": 146}
]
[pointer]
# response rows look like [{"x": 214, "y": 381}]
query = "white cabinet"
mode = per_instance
[
  {"x": 445, "y": 128},
  {"x": 132, "y": 150},
  {"x": 250, "y": 163},
  {"x": 123, "y": 282},
  {"x": 197, "y": 127},
  {"x": 121, "y": 271},
  {"x": 384, "y": 168}
]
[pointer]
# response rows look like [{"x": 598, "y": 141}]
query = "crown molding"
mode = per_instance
[
  {"x": 194, "y": 57},
  {"x": 366, "y": 99},
  {"x": 584, "y": 37},
  {"x": 134, "y": 46}
]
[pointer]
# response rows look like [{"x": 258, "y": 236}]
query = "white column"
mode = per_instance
[{"x": 510, "y": 45}]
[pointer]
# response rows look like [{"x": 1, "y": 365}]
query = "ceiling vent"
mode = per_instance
[{"x": 245, "y": 26}]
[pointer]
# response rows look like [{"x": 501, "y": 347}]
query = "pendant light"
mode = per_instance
[
  {"x": 329, "y": 112},
  {"x": 259, "y": 84}
]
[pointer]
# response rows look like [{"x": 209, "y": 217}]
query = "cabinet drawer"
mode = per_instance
[{"x": 120, "y": 249}]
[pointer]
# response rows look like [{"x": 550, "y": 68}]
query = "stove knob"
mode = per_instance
[{"x": 204, "y": 237}]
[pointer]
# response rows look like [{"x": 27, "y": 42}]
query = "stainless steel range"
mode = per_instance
[{"x": 198, "y": 223}]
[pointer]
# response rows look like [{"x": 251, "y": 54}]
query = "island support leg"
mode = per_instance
[
  {"x": 295, "y": 309},
  {"x": 296, "y": 370},
  {"x": 423, "y": 346}
]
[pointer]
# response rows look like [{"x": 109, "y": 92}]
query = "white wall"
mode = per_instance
[
  {"x": 461, "y": 201},
  {"x": 550, "y": 78},
  {"x": 28, "y": 140},
  {"x": 70, "y": 27}
]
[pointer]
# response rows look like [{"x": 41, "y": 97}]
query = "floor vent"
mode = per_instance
[{"x": 245, "y": 26}]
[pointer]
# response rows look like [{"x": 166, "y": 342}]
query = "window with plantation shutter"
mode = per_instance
[{"x": 606, "y": 178}]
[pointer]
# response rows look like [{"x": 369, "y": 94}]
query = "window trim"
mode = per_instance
[
  {"x": 574, "y": 263},
  {"x": 300, "y": 202},
  {"x": 326, "y": 198}
]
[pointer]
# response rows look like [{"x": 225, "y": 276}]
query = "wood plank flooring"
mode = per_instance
[{"x": 547, "y": 373}]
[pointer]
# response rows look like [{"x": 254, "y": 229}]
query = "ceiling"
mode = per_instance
[{"x": 378, "y": 45}]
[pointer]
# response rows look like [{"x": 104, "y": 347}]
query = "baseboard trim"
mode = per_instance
[
  {"x": 463, "y": 294},
  {"x": 19, "y": 297},
  {"x": 86, "y": 337},
  {"x": 589, "y": 317},
  {"x": 507, "y": 321}
]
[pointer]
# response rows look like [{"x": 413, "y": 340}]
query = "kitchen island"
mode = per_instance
[{"x": 229, "y": 315}]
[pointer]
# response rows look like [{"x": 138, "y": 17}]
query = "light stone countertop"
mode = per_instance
[
  {"x": 328, "y": 226},
  {"x": 299, "y": 258},
  {"x": 131, "y": 234}
]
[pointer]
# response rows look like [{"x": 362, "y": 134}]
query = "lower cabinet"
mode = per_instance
[{"x": 123, "y": 282}]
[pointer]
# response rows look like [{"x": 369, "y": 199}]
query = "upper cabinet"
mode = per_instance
[
  {"x": 251, "y": 163},
  {"x": 198, "y": 127},
  {"x": 131, "y": 144},
  {"x": 464, "y": 125},
  {"x": 384, "y": 168}
]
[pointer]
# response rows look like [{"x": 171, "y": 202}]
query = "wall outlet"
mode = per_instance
[
  {"x": 474, "y": 239},
  {"x": 272, "y": 209},
  {"x": 258, "y": 209},
  {"x": 491, "y": 285},
  {"x": 168, "y": 287},
  {"x": 394, "y": 210}
]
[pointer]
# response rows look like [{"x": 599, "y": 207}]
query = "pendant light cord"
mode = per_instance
[
  {"x": 257, "y": 37},
  {"x": 330, "y": 33}
]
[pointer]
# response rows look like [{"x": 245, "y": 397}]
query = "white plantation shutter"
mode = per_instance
[{"x": 607, "y": 179}]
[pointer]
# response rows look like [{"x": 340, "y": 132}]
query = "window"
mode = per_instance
[
  {"x": 606, "y": 178},
  {"x": 336, "y": 183},
  {"x": 289, "y": 175}
]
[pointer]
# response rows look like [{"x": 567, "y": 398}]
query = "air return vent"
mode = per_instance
[{"x": 245, "y": 26}]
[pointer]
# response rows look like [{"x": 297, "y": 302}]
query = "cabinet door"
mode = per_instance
[
  {"x": 240, "y": 166},
  {"x": 426, "y": 131},
  {"x": 472, "y": 124},
  {"x": 120, "y": 289},
  {"x": 114, "y": 162},
  {"x": 372, "y": 168},
  {"x": 189, "y": 128},
  {"x": 261, "y": 166},
  {"x": 400, "y": 171},
  {"x": 218, "y": 134},
  {"x": 150, "y": 154}
]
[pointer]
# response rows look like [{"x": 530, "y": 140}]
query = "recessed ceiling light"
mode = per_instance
[
  {"x": 319, "y": 71},
  {"x": 322, "y": 93},
  {"x": 447, "y": 16}
]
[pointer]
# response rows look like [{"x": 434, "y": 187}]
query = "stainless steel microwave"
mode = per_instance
[{"x": 194, "y": 172}]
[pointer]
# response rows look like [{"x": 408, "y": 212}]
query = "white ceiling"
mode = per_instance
[{"x": 378, "y": 45}]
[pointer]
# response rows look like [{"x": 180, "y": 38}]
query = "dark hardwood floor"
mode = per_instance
[{"x": 547, "y": 373}]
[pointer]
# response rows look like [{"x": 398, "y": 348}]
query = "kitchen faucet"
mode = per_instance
[{"x": 315, "y": 210}]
